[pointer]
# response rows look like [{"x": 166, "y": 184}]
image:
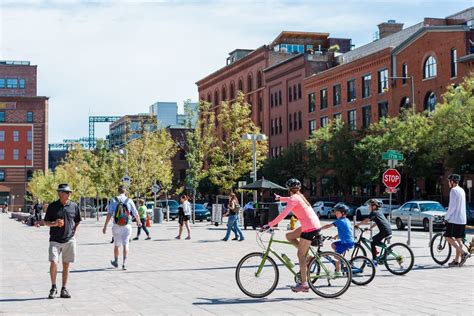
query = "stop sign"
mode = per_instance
[{"x": 391, "y": 178}]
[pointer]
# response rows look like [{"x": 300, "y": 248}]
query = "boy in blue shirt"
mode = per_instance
[{"x": 344, "y": 232}]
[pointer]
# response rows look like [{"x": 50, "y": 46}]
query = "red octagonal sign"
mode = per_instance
[{"x": 391, "y": 178}]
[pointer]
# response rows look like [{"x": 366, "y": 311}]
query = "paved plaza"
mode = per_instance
[{"x": 181, "y": 277}]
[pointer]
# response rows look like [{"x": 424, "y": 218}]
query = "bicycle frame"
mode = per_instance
[{"x": 362, "y": 241}]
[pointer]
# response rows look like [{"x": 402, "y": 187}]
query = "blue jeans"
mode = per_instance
[{"x": 233, "y": 225}]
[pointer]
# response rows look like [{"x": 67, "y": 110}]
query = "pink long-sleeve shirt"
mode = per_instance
[{"x": 305, "y": 214}]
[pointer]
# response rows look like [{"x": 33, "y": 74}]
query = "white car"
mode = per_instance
[
  {"x": 420, "y": 212},
  {"x": 363, "y": 210},
  {"x": 323, "y": 208}
]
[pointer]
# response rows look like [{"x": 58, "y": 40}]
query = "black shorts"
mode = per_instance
[
  {"x": 183, "y": 218},
  {"x": 312, "y": 235},
  {"x": 455, "y": 230}
]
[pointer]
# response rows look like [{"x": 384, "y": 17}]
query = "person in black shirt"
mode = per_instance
[
  {"x": 38, "y": 211},
  {"x": 63, "y": 218},
  {"x": 380, "y": 221}
]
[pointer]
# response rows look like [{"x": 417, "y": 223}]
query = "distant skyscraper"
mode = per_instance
[{"x": 165, "y": 112}]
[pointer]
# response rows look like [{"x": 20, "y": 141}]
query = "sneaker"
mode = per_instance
[
  {"x": 337, "y": 274},
  {"x": 300, "y": 288},
  {"x": 235, "y": 238},
  {"x": 188, "y": 238},
  {"x": 124, "y": 267},
  {"x": 464, "y": 257},
  {"x": 241, "y": 239},
  {"x": 376, "y": 263},
  {"x": 148, "y": 238},
  {"x": 52, "y": 293},
  {"x": 223, "y": 239},
  {"x": 136, "y": 238},
  {"x": 177, "y": 237},
  {"x": 114, "y": 263},
  {"x": 453, "y": 264},
  {"x": 65, "y": 293},
  {"x": 112, "y": 241}
]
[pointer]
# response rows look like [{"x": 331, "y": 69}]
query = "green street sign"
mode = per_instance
[{"x": 392, "y": 155}]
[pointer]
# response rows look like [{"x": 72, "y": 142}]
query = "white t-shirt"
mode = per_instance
[
  {"x": 186, "y": 208},
  {"x": 456, "y": 213}
]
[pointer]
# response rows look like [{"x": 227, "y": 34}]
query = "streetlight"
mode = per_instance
[
  {"x": 412, "y": 88},
  {"x": 254, "y": 138},
  {"x": 126, "y": 178}
]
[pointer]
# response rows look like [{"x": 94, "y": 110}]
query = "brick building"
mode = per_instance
[{"x": 23, "y": 131}]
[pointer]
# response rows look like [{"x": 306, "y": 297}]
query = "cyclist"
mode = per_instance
[
  {"x": 382, "y": 224},
  {"x": 344, "y": 232},
  {"x": 456, "y": 220},
  {"x": 306, "y": 233}
]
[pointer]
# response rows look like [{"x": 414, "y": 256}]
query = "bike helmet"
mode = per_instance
[
  {"x": 376, "y": 202},
  {"x": 341, "y": 208},
  {"x": 293, "y": 183},
  {"x": 454, "y": 177}
]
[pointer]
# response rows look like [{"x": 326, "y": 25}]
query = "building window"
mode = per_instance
[
  {"x": 249, "y": 83},
  {"x": 29, "y": 117},
  {"x": 16, "y": 136},
  {"x": 2, "y": 116},
  {"x": 29, "y": 155},
  {"x": 232, "y": 92},
  {"x": 323, "y": 98},
  {"x": 276, "y": 99},
  {"x": 312, "y": 126},
  {"x": 216, "y": 98},
  {"x": 351, "y": 92},
  {"x": 2, "y": 175},
  {"x": 336, "y": 91},
  {"x": 324, "y": 121},
  {"x": 300, "y": 120},
  {"x": 29, "y": 136},
  {"x": 2, "y": 136},
  {"x": 299, "y": 91},
  {"x": 383, "y": 109},
  {"x": 259, "y": 79},
  {"x": 366, "y": 86},
  {"x": 351, "y": 119},
  {"x": 429, "y": 68},
  {"x": 279, "y": 97},
  {"x": 224, "y": 94},
  {"x": 311, "y": 102},
  {"x": 29, "y": 175},
  {"x": 404, "y": 73},
  {"x": 16, "y": 154},
  {"x": 290, "y": 122},
  {"x": 2, "y": 154},
  {"x": 295, "y": 121},
  {"x": 240, "y": 86},
  {"x": 22, "y": 83},
  {"x": 280, "y": 126},
  {"x": 2, "y": 83},
  {"x": 260, "y": 104},
  {"x": 430, "y": 101},
  {"x": 366, "y": 115},
  {"x": 337, "y": 116},
  {"x": 383, "y": 81},
  {"x": 272, "y": 131},
  {"x": 454, "y": 63},
  {"x": 271, "y": 100},
  {"x": 290, "y": 94},
  {"x": 294, "y": 93},
  {"x": 12, "y": 83}
]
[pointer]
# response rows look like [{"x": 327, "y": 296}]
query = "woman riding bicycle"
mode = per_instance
[{"x": 307, "y": 232}]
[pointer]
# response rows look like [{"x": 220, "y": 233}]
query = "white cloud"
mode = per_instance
[{"x": 118, "y": 57}]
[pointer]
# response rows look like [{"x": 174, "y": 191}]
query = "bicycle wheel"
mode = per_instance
[
  {"x": 398, "y": 258},
  {"x": 253, "y": 284},
  {"x": 324, "y": 278},
  {"x": 363, "y": 270},
  {"x": 359, "y": 250},
  {"x": 440, "y": 249}
]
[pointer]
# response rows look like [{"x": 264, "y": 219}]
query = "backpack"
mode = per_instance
[{"x": 122, "y": 213}]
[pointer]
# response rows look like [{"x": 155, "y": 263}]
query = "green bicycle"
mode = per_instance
[
  {"x": 398, "y": 258},
  {"x": 257, "y": 273}
]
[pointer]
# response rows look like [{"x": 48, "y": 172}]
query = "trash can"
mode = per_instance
[
  {"x": 273, "y": 211},
  {"x": 263, "y": 216},
  {"x": 158, "y": 215}
]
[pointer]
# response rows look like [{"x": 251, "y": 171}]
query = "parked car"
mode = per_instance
[
  {"x": 352, "y": 207},
  {"x": 363, "y": 210},
  {"x": 149, "y": 209},
  {"x": 201, "y": 213},
  {"x": 323, "y": 208},
  {"x": 470, "y": 212},
  {"x": 173, "y": 205},
  {"x": 421, "y": 212}
]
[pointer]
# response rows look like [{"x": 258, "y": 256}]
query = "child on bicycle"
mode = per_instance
[
  {"x": 382, "y": 224},
  {"x": 309, "y": 230},
  {"x": 344, "y": 232}
]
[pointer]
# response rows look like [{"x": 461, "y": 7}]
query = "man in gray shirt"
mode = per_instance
[{"x": 456, "y": 220}]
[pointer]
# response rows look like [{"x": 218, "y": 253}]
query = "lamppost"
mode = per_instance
[
  {"x": 126, "y": 179},
  {"x": 254, "y": 138},
  {"x": 412, "y": 88}
]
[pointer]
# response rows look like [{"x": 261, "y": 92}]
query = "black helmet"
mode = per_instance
[
  {"x": 454, "y": 177},
  {"x": 293, "y": 183},
  {"x": 376, "y": 203},
  {"x": 341, "y": 208}
]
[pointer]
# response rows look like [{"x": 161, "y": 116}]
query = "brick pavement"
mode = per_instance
[{"x": 181, "y": 277}]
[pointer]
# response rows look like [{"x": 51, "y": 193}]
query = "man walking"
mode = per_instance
[
  {"x": 38, "y": 208},
  {"x": 142, "y": 213},
  {"x": 63, "y": 218},
  {"x": 456, "y": 220},
  {"x": 121, "y": 208}
]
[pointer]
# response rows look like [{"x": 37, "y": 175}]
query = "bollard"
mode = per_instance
[
  {"x": 167, "y": 213},
  {"x": 409, "y": 230},
  {"x": 431, "y": 230}
]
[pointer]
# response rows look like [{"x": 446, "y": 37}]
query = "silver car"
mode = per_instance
[{"x": 421, "y": 212}]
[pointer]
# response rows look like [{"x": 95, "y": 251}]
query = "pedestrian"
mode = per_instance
[
  {"x": 142, "y": 215},
  {"x": 121, "y": 208},
  {"x": 63, "y": 219},
  {"x": 184, "y": 215},
  {"x": 233, "y": 220},
  {"x": 38, "y": 208},
  {"x": 456, "y": 219}
]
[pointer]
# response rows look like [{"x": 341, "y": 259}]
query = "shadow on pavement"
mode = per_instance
[
  {"x": 162, "y": 239},
  {"x": 23, "y": 299},
  {"x": 91, "y": 270},
  {"x": 224, "y": 301},
  {"x": 94, "y": 243},
  {"x": 213, "y": 240}
]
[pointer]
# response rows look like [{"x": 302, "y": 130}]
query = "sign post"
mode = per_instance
[
  {"x": 241, "y": 184},
  {"x": 469, "y": 186},
  {"x": 391, "y": 177},
  {"x": 155, "y": 188}
]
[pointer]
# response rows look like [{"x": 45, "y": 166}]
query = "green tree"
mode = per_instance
[
  {"x": 43, "y": 186},
  {"x": 231, "y": 156}
]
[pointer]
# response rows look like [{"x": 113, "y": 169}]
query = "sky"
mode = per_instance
[{"x": 119, "y": 57}]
